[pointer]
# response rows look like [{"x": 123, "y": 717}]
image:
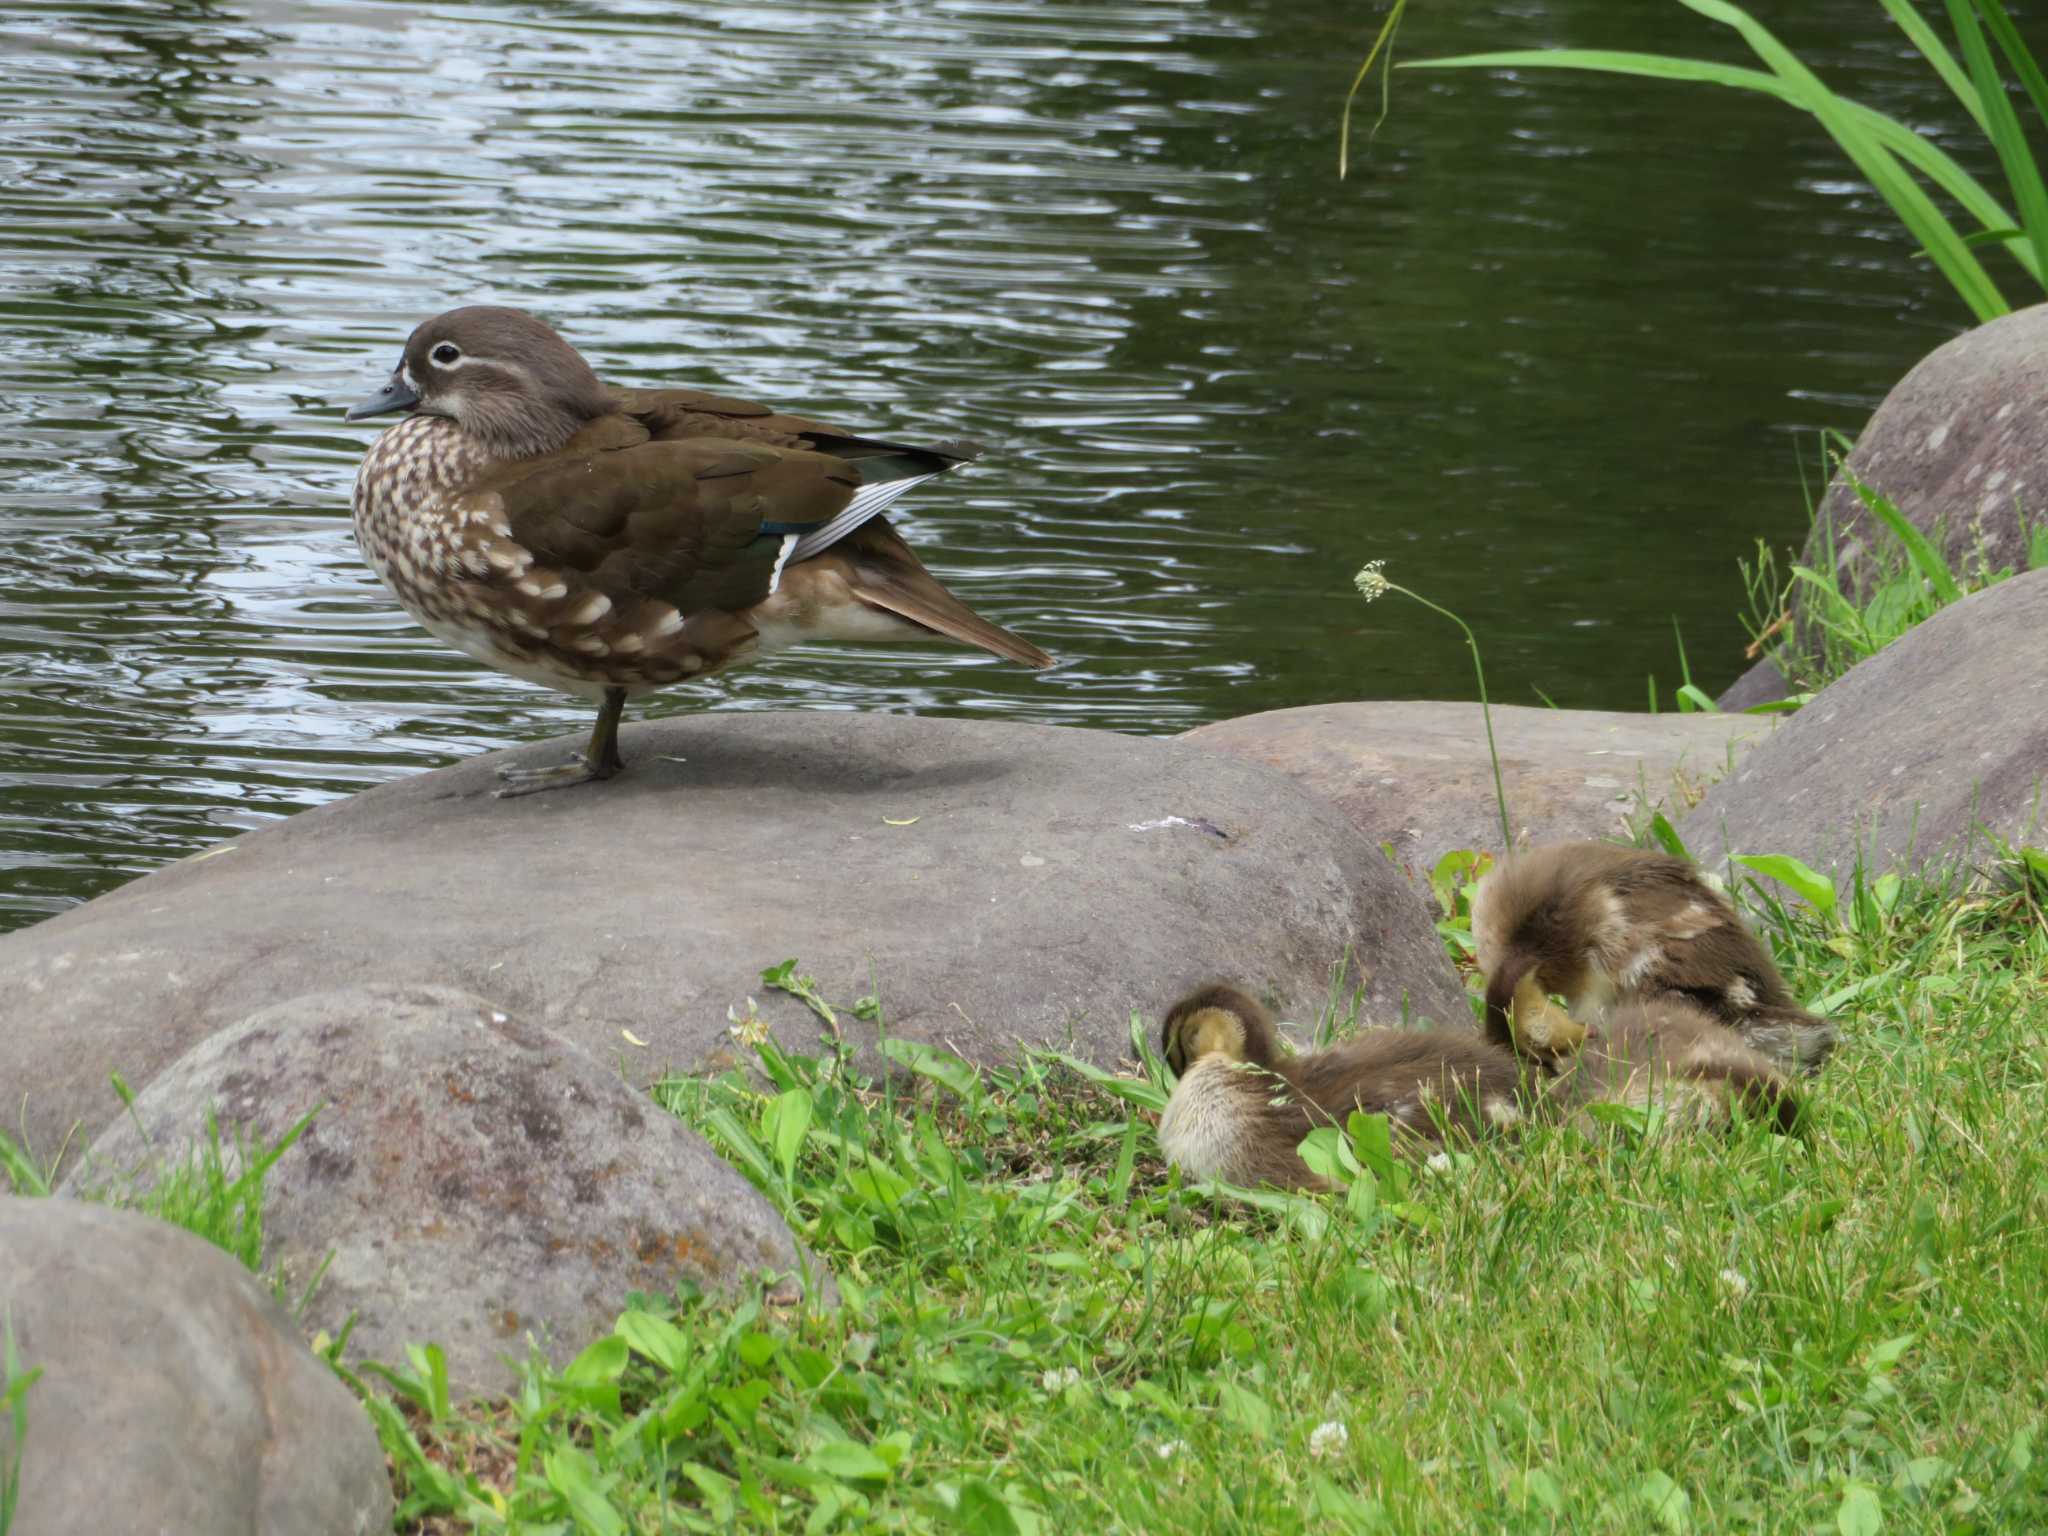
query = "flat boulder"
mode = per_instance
[
  {"x": 995, "y": 884},
  {"x": 1902, "y": 757},
  {"x": 468, "y": 1181},
  {"x": 1417, "y": 775},
  {"x": 1960, "y": 446},
  {"x": 175, "y": 1394}
]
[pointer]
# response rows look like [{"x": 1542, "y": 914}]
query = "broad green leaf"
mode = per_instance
[
  {"x": 1372, "y": 1143},
  {"x": 849, "y": 1460},
  {"x": 1245, "y": 1409},
  {"x": 980, "y": 1511},
  {"x": 1859, "y": 1513},
  {"x": 601, "y": 1361},
  {"x": 942, "y": 1067},
  {"x": 1816, "y": 888},
  {"x": 569, "y": 1474},
  {"x": 660, "y": 1340},
  {"x": 1318, "y": 1149},
  {"x": 1669, "y": 1503},
  {"x": 791, "y": 1117}
]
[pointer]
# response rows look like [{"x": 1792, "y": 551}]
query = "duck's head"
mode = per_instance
[
  {"x": 1218, "y": 1018},
  {"x": 500, "y": 374}
]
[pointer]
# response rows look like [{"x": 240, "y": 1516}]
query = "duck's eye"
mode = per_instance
[{"x": 446, "y": 354}]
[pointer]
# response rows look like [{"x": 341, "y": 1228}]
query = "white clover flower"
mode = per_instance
[
  {"x": 1438, "y": 1162},
  {"x": 1370, "y": 582},
  {"x": 1166, "y": 1450},
  {"x": 1328, "y": 1438},
  {"x": 1734, "y": 1284},
  {"x": 1059, "y": 1379}
]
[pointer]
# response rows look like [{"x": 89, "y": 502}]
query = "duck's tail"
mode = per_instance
[{"x": 886, "y": 575}]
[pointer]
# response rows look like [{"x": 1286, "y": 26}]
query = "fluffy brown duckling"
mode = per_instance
[
  {"x": 1242, "y": 1106},
  {"x": 1601, "y": 925},
  {"x": 1664, "y": 1051}
]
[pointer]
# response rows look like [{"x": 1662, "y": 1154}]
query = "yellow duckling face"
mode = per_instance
[{"x": 1199, "y": 1032}]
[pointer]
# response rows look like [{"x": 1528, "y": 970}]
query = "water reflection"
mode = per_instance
[{"x": 1546, "y": 353}]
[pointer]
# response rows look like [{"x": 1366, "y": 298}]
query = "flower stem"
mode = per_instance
[{"x": 1500, "y": 794}]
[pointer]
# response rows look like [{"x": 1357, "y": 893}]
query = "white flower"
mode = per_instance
[
  {"x": 1734, "y": 1284},
  {"x": 1328, "y": 1438},
  {"x": 1438, "y": 1162},
  {"x": 749, "y": 1028},
  {"x": 1058, "y": 1380},
  {"x": 1370, "y": 582},
  {"x": 1166, "y": 1450}
]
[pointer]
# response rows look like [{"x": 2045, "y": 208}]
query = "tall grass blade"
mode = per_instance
[
  {"x": 2007, "y": 136},
  {"x": 1924, "y": 156},
  {"x": 1913, "y": 207},
  {"x": 1937, "y": 53},
  {"x": 1385, "y": 40},
  {"x": 1919, "y": 549}
]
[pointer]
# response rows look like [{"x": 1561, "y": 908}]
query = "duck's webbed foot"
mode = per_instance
[
  {"x": 531, "y": 781},
  {"x": 599, "y": 760}
]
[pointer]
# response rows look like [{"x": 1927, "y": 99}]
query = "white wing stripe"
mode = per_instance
[{"x": 869, "y": 501}]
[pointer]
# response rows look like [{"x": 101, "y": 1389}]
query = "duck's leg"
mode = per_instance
[{"x": 599, "y": 760}]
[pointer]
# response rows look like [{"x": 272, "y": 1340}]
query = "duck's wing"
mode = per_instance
[
  {"x": 887, "y": 469},
  {"x": 702, "y": 523}
]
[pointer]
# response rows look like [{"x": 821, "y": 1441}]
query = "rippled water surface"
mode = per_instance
[{"x": 1554, "y": 352}]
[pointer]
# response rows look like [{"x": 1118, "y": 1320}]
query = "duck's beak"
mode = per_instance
[{"x": 394, "y": 396}]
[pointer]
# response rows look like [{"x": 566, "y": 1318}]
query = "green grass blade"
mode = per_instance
[
  {"x": 1936, "y": 52},
  {"x": 2023, "y": 62},
  {"x": 1924, "y": 156},
  {"x": 1810, "y": 883},
  {"x": 1919, "y": 548},
  {"x": 2030, "y": 196},
  {"x": 21, "y": 1169},
  {"x": 1913, "y": 207},
  {"x": 1384, "y": 41}
]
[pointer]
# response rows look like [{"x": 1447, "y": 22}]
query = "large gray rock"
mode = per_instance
[
  {"x": 1046, "y": 882},
  {"x": 476, "y": 1181},
  {"x": 1904, "y": 755},
  {"x": 1960, "y": 446},
  {"x": 175, "y": 1395},
  {"x": 1417, "y": 776}
]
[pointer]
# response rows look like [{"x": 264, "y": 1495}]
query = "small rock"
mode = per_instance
[
  {"x": 476, "y": 1180},
  {"x": 884, "y": 852},
  {"x": 1907, "y": 752},
  {"x": 175, "y": 1394},
  {"x": 1417, "y": 775}
]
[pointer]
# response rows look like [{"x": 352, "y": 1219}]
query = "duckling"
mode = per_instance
[
  {"x": 1668, "y": 1052},
  {"x": 1242, "y": 1107},
  {"x": 1600, "y": 924}
]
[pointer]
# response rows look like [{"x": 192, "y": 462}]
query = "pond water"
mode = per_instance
[{"x": 1555, "y": 351}]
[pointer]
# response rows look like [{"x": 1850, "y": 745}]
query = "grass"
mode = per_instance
[
  {"x": 1834, "y": 625},
  {"x": 1901, "y": 163},
  {"x": 1042, "y": 1330}
]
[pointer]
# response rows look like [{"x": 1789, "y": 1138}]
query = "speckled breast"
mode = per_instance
[{"x": 450, "y": 559}]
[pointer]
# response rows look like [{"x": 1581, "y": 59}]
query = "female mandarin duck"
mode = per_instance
[{"x": 608, "y": 542}]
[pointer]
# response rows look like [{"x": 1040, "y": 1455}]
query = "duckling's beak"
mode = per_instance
[{"x": 397, "y": 395}]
